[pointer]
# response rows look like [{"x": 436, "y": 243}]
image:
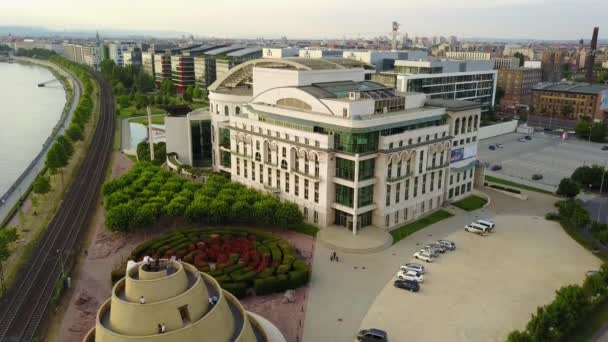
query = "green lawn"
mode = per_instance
[
  {"x": 470, "y": 203},
  {"x": 413, "y": 227},
  {"x": 132, "y": 111},
  {"x": 517, "y": 185},
  {"x": 156, "y": 120}
]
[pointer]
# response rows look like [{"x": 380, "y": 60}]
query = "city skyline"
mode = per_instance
[{"x": 513, "y": 19}]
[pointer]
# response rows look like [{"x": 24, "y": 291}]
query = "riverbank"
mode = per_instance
[{"x": 15, "y": 196}]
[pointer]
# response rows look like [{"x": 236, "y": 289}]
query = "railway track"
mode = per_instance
[{"x": 26, "y": 303}]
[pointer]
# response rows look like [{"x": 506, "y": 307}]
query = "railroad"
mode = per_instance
[{"x": 26, "y": 303}]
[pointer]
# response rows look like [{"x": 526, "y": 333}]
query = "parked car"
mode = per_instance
[
  {"x": 522, "y": 139},
  {"x": 407, "y": 285},
  {"x": 451, "y": 245},
  {"x": 605, "y": 148},
  {"x": 496, "y": 167},
  {"x": 527, "y": 137},
  {"x": 492, "y": 147},
  {"x": 475, "y": 228},
  {"x": 372, "y": 335},
  {"x": 433, "y": 252},
  {"x": 412, "y": 266},
  {"x": 422, "y": 255},
  {"x": 499, "y": 145},
  {"x": 436, "y": 249},
  {"x": 439, "y": 246},
  {"x": 410, "y": 275},
  {"x": 487, "y": 223},
  {"x": 537, "y": 176}
]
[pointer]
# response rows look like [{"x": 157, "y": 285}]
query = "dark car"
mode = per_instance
[
  {"x": 407, "y": 285},
  {"x": 372, "y": 335},
  {"x": 492, "y": 147},
  {"x": 605, "y": 148},
  {"x": 527, "y": 137},
  {"x": 496, "y": 167},
  {"x": 537, "y": 176}
]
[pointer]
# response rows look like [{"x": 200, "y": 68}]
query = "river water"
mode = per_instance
[{"x": 28, "y": 115}]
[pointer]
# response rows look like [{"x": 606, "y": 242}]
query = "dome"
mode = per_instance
[{"x": 190, "y": 305}]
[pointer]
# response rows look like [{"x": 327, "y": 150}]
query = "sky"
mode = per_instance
[{"x": 522, "y": 19}]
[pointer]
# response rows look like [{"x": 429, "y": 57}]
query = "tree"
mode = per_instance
[
  {"x": 583, "y": 129},
  {"x": 288, "y": 214},
  {"x": 42, "y": 184},
  {"x": 66, "y": 144},
  {"x": 74, "y": 132},
  {"x": 56, "y": 158},
  {"x": 188, "y": 94},
  {"x": 521, "y": 57},
  {"x": 197, "y": 92},
  {"x": 567, "y": 188},
  {"x": 7, "y": 236},
  {"x": 119, "y": 218},
  {"x": 597, "y": 132}
]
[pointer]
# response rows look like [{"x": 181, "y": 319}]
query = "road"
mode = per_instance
[
  {"x": 27, "y": 178},
  {"x": 25, "y": 304}
]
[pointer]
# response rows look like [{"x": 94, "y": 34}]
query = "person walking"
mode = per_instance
[
  {"x": 163, "y": 329},
  {"x": 142, "y": 300},
  {"x": 160, "y": 329}
]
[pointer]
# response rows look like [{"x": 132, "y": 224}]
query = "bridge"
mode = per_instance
[{"x": 42, "y": 84}]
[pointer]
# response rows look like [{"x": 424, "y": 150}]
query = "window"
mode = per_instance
[
  {"x": 316, "y": 192},
  {"x": 390, "y": 146},
  {"x": 237, "y": 110},
  {"x": 269, "y": 173},
  {"x": 366, "y": 169},
  {"x": 422, "y": 207},
  {"x": 397, "y": 192},
  {"x": 306, "y": 188},
  {"x": 388, "y": 195},
  {"x": 457, "y": 177},
  {"x": 257, "y": 144},
  {"x": 440, "y": 179},
  {"x": 424, "y": 184},
  {"x": 278, "y": 179},
  {"x": 396, "y": 216},
  {"x": 451, "y": 179},
  {"x": 284, "y": 152},
  {"x": 297, "y": 166},
  {"x": 415, "y": 186},
  {"x": 365, "y": 196},
  {"x": 344, "y": 112},
  {"x": 252, "y": 171},
  {"x": 399, "y": 169},
  {"x": 315, "y": 216},
  {"x": 345, "y": 169},
  {"x": 226, "y": 111},
  {"x": 238, "y": 167},
  {"x": 344, "y": 195},
  {"x": 390, "y": 170},
  {"x": 316, "y": 166},
  {"x": 405, "y": 214},
  {"x": 407, "y": 189},
  {"x": 296, "y": 180},
  {"x": 261, "y": 174},
  {"x": 184, "y": 314},
  {"x": 258, "y": 157},
  {"x": 245, "y": 168},
  {"x": 432, "y": 181},
  {"x": 420, "y": 161},
  {"x": 387, "y": 220},
  {"x": 306, "y": 164},
  {"x": 287, "y": 182},
  {"x": 305, "y": 214},
  {"x": 284, "y": 164}
]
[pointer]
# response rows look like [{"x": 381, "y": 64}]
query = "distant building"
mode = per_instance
[
  {"x": 384, "y": 60},
  {"x": 319, "y": 53},
  {"x": 533, "y": 64},
  {"x": 132, "y": 56},
  {"x": 182, "y": 72},
  {"x": 280, "y": 52},
  {"x": 223, "y": 63},
  {"x": 472, "y": 55},
  {"x": 605, "y": 65},
  {"x": 527, "y": 52},
  {"x": 147, "y": 62},
  {"x": 83, "y": 54},
  {"x": 552, "y": 66},
  {"x": 205, "y": 66},
  {"x": 29, "y": 44},
  {"x": 571, "y": 100},
  {"x": 162, "y": 67},
  {"x": 506, "y": 62},
  {"x": 517, "y": 84}
]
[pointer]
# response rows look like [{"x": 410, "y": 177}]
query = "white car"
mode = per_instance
[
  {"x": 475, "y": 228},
  {"x": 412, "y": 266},
  {"x": 422, "y": 255},
  {"x": 487, "y": 223},
  {"x": 522, "y": 139},
  {"x": 410, "y": 275}
]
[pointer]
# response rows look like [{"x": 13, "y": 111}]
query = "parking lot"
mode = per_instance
[
  {"x": 487, "y": 287},
  {"x": 545, "y": 154}
]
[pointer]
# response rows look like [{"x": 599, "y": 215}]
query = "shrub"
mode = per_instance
[
  {"x": 238, "y": 289},
  {"x": 552, "y": 217},
  {"x": 515, "y": 191}
]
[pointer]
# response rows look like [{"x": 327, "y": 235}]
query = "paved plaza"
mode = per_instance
[
  {"x": 341, "y": 294},
  {"x": 545, "y": 154}
]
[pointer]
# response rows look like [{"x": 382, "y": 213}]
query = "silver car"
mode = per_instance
[
  {"x": 412, "y": 266},
  {"x": 447, "y": 243},
  {"x": 431, "y": 251}
]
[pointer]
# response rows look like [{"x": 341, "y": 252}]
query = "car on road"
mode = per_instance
[
  {"x": 423, "y": 255},
  {"x": 407, "y": 285},
  {"x": 449, "y": 244},
  {"x": 412, "y": 266},
  {"x": 410, "y": 275},
  {"x": 522, "y": 139},
  {"x": 496, "y": 167},
  {"x": 500, "y": 145},
  {"x": 527, "y": 137},
  {"x": 492, "y": 147},
  {"x": 475, "y": 228},
  {"x": 372, "y": 335},
  {"x": 605, "y": 148},
  {"x": 537, "y": 176}
]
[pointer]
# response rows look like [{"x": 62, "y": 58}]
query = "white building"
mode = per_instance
[
  {"x": 115, "y": 52},
  {"x": 532, "y": 64},
  {"x": 347, "y": 151},
  {"x": 82, "y": 53},
  {"x": 383, "y": 60},
  {"x": 472, "y": 55},
  {"x": 319, "y": 53},
  {"x": 280, "y": 52}
]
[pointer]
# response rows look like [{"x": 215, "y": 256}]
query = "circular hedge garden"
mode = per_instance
[{"x": 238, "y": 258}]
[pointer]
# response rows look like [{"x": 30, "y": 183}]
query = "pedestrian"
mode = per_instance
[
  {"x": 336, "y": 257},
  {"x": 163, "y": 329},
  {"x": 160, "y": 329},
  {"x": 142, "y": 300}
]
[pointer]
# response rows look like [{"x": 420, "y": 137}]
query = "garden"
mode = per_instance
[{"x": 240, "y": 259}]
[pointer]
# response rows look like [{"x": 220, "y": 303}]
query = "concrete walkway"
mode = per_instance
[
  {"x": 341, "y": 293},
  {"x": 368, "y": 240},
  {"x": 27, "y": 178}
]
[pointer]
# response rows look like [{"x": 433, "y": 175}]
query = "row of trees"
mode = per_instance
[
  {"x": 584, "y": 177},
  {"x": 160, "y": 152},
  {"x": 36, "y": 53},
  {"x": 557, "y": 320},
  {"x": 148, "y": 193},
  {"x": 126, "y": 79},
  {"x": 589, "y": 130}
]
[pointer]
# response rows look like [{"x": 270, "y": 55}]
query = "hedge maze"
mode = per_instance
[{"x": 238, "y": 258}]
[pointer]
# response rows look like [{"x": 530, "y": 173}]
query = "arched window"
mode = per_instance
[
  {"x": 390, "y": 169},
  {"x": 469, "y": 124},
  {"x": 463, "y": 126},
  {"x": 226, "y": 111},
  {"x": 456, "y": 126},
  {"x": 237, "y": 110},
  {"x": 284, "y": 164},
  {"x": 316, "y": 166},
  {"x": 258, "y": 157},
  {"x": 306, "y": 164}
]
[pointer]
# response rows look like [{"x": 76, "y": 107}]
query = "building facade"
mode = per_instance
[
  {"x": 517, "y": 85},
  {"x": 552, "y": 65},
  {"x": 571, "y": 100},
  {"x": 471, "y": 55},
  {"x": 162, "y": 67},
  {"x": 349, "y": 152},
  {"x": 147, "y": 62},
  {"x": 506, "y": 63},
  {"x": 82, "y": 53},
  {"x": 182, "y": 72}
]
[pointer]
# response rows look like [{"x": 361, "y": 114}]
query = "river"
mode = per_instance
[{"x": 28, "y": 114}]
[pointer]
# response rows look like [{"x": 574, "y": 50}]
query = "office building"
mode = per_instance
[
  {"x": 505, "y": 62},
  {"x": 228, "y": 61},
  {"x": 517, "y": 84},
  {"x": 470, "y": 55},
  {"x": 173, "y": 303},
  {"x": 115, "y": 53},
  {"x": 349, "y": 152},
  {"x": 182, "y": 72},
  {"x": 147, "y": 62},
  {"x": 205, "y": 64},
  {"x": 571, "y": 100},
  {"x": 162, "y": 67},
  {"x": 132, "y": 56},
  {"x": 552, "y": 65}
]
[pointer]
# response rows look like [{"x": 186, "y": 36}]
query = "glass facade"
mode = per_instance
[
  {"x": 225, "y": 158},
  {"x": 366, "y": 169},
  {"x": 225, "y": 137},
  {"x": 356, "y": 142},
  {"x": 345, "y": 169},
  {"x": 344, "y": 195},
  {"x": 201, "y": 143},
  {"x": 365, "y": 196}
]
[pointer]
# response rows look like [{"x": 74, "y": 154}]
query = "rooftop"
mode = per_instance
[
  {"x": 225, "y": 49},
  {"x": 452, "y": 104},
  {"x": 342, "y": 89},
  {"x": 245, "y": 51},
  {"x": 579, "y": 88}
]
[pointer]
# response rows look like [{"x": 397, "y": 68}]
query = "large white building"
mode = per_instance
[{"x": 347, "y": 151}]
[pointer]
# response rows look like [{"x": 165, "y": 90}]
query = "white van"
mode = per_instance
[
  {"x": 476, "y": 228},
  {"x": 489, "y": 224}
]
